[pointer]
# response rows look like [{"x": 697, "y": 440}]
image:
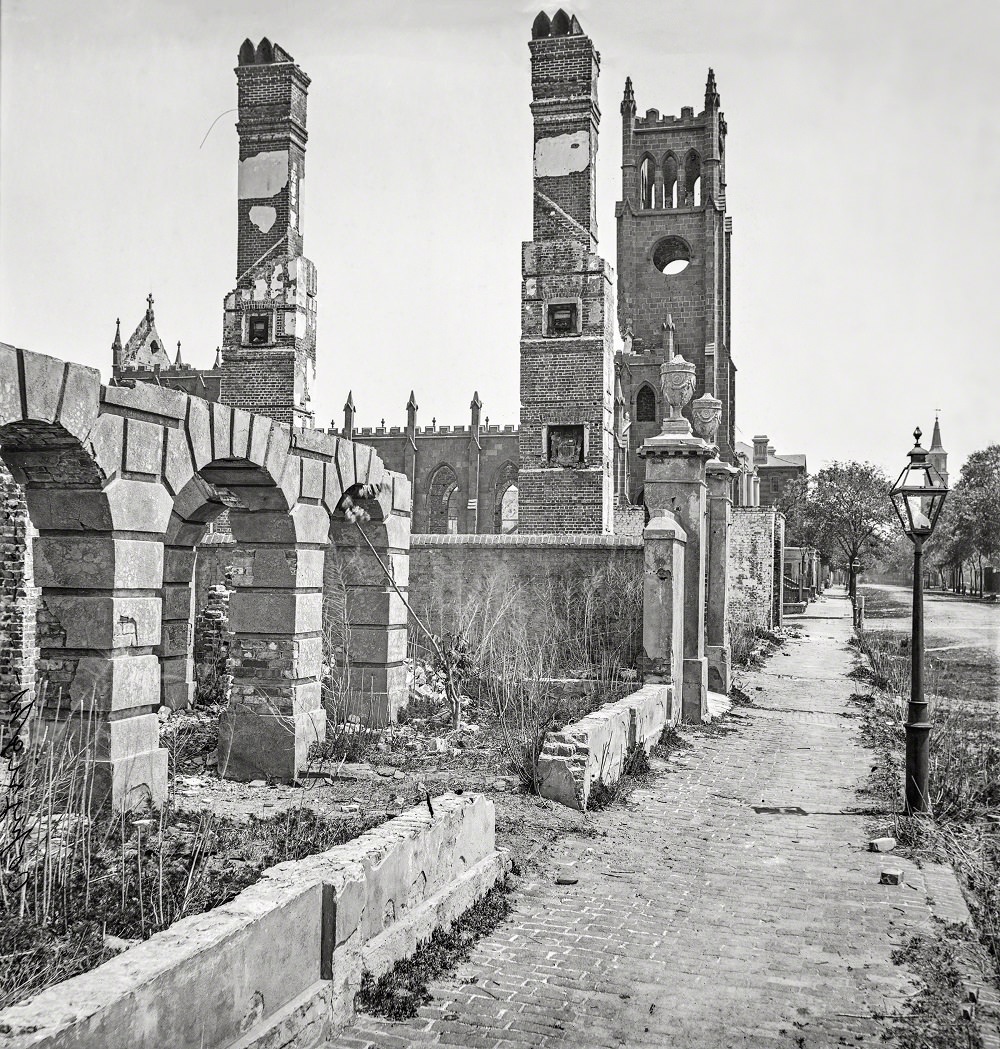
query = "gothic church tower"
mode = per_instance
[
  {"x": 269, "y": 330},
  {"x": 673, "y": 263},
  {"x": 567, "y": 299}
]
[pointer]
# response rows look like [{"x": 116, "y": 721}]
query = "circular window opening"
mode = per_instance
[{"x": 671, "y": 256}]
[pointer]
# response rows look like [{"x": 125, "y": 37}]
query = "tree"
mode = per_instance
[
  {"x": 969, "y": 529},
  {"x": 849, "y": 513}
]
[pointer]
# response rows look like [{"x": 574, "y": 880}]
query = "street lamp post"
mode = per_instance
[
  {"x": 917, "y": 496},
  {"x": 854, "y": 568}
]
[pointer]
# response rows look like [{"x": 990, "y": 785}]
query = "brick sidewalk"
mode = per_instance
[{"x": 696, "y": 921}]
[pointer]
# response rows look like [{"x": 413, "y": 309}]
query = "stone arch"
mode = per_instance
[
  {"x": 645, "y": 404},
  {"x": 505, "y": 481},
  {"x": 670, "y": 183},
  {"x": 443, "y": 493},
  {"x": 647, "y": 181},
  {"x": 97, "y": 508},
  {"x": 243, "y": 463}
]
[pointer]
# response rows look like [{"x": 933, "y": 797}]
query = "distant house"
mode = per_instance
[{"x": 774, "y": 472}]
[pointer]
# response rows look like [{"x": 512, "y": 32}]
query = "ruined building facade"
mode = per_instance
[{"x": 572, "y": 465}]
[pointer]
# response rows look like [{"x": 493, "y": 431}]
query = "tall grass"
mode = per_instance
[{"x": 519, "y": 641}]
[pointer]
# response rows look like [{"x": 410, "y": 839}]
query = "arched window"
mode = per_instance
[
  {"x": 670, "y": 181},
  {"x": 508, "y": 511},
  {"x": 443, "y": 501},
  {"x": 647, "y": 180},
  {"x": 645, "y": 405},
  {"x": 692, "y": 180},
  {"x": 505, "y": 500}
]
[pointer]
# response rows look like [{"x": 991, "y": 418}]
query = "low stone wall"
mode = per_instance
[
  {"x": 449, "y": 573},
  {"x": 594, "y": 749},
  {"x": 280, "y": 964}
]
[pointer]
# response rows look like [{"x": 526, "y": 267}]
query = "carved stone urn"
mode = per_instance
[
  {"x": 677, "y": 383},
  {"x": 706, "y": 413}
]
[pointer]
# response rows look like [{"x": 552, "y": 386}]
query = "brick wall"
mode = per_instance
[
  {"x": 449, "y": 573},
  {"x": 754, "y": 569},
  {"x": 18, "y": 596}
]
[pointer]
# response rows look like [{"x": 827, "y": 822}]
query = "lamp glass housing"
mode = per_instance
[{"x": 918, "y": 495}]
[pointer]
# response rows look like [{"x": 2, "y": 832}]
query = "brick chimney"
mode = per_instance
[{"x": 760, "y": 450}]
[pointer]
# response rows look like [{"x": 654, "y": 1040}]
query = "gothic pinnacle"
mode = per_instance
[
  {"x": 628, "y": 100},
  {"x": 711, "y": 91}
]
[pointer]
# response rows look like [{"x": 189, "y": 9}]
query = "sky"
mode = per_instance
[{"x": 863, "y": 167}]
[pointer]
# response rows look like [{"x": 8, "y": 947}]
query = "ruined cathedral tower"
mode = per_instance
[
  {"x": 673, "y": 263},
  {"x": 567, "y": 299},
  {"x": 269, "y": 330}
]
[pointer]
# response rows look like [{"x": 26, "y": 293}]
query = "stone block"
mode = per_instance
[
  {"x": 80, "y": 400},
  {"x": 239, "y": 423},
  {"x": 43, "y": 383},
  {"x": 312, "y": 523},
  {"x": 177, "y": 466},
  {"x": 345, "y": 465},
  {"x": 178, "y": 601},
  {"x": 377, "y": 644},
  {"x": 10, "y": 386},
  {"x": 139, "y": 506},
  {"x": 719, "y": 673},
  {"x": 881, "y": 844},
  {"x": 106, "y": 442},
  {"x": 277, "y": 567},
  {"x": 312, "y": 482},
  {"x": 147, "y": 398},
  {"x": 891, "y": 876},
  {"x": 102, "y": 622},
  {"x": 275, "y": 612},
  {"x": 199, "y": 432},
  {"x": 116, "y": 684},
  {"x": 694, "y": 697},
  {"x": 176, "y": 636},
  {"x": 267, "y": 746},
  {"x": 374, "y": 606},
  {"x": 143, "y": 447},
  {"x": 260, "y": 436},
  {"x": 132, "y": 782},
  {"x": 221, "y": 424},
  {"x": 178, "y": 564},
  {"x": 262, "y": 526},
  {"x": 97, "y": 562}
]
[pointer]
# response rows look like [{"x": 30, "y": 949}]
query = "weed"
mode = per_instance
[{"x": 398, "y": 994}]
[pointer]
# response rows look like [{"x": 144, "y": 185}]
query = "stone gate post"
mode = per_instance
[
  {"x": 719, "y": 479},
  {"x": 675, "y": 487},
  {"x": 663, "y": 607}
]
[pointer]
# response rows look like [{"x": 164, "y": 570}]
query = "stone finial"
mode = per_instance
[
  {"x": 677, "y": 377},
  {"x": 706, "y": 413},
  {"x": 178, "y": 363},
  {"x": 668, "y": 335},
  {"x": 218, "y": 358},
  {"x": 628, "y": 100},
  {"x": 117, "y": 344},
  {"x": 149, "y": 307},
  {"x": 711, "y": 91}
]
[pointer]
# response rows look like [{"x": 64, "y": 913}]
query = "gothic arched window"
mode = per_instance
[
  {"x": 645, "y": 405},
  {"x": 670, "y": 181},
  {"x": 647, "y": 181},
  {"x": 692, "y": 180},
  {"x": 443, "y": 501}
]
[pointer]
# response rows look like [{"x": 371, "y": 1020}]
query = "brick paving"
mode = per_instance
[{"x": 697, "y": 921}]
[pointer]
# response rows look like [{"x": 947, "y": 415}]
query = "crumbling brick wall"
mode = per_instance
[
  {"x": 756, "y": 532},
  {"x": 18, "y": 596}
]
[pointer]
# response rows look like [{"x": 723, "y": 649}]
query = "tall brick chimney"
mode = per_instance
[
  {"x": 269, "y": 330},
  {"x": 760, "y": 447}
]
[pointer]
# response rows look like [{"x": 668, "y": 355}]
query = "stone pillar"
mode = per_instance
[
  {"x": 675, "y": 487},
  {"x": 663, "y": 607},
  {"x": 99, "y": 626},
  {"x": 276, "y": 614},
  {"x": 376, "y": 616},
  {"x": 719, "y": 478},
  {"x": 176, "y": 664}
]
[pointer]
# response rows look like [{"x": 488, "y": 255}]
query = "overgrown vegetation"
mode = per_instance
[
  {"x": 933, "y": 1018},
  {"x": 96, "y": 880},
  {"x": 964, "y": 774},
  {"x": 533, "y": 658},
  {"x": 636, "y": 771},
  {"x": 398, "y": 993}
]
